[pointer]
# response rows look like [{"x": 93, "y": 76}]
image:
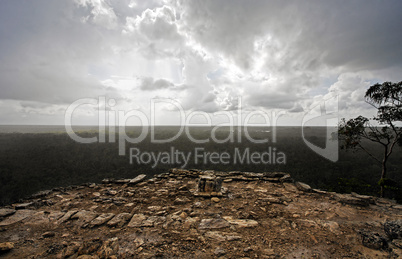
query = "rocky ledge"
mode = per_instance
[{"x": 200, "y": 214}]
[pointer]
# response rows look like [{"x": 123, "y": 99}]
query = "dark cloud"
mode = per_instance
[
  {"x": 354, "y": 33},
  {"x": 205, "y": 53}
]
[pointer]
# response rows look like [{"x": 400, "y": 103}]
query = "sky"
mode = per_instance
[{"x": 172, "y": 62}]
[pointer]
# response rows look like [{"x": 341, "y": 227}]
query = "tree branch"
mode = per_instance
[{"x": 372, "y": 156}]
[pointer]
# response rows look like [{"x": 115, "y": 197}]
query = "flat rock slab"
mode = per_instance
[
  {"x": 140, "y": 220},
  {"x": 319, "y": 191},
  {"x": 41, "y": 194},
  {"x": 83, "y": 217},
  {"x": 367, "y": 198},
  {"x": 119, "y": 220},
  {"x": 101, "y": 219},
  {"x": 242, "y": 223},
  {"x": 291, "y": 187},
  {"x": 348, "y": 199},
  {"x": 6, "y": 212},
  {"x": 213, "y": 224},
  {"x": 303, "y": 187},
  {"x": 180, "y": 201},
  {"x": 207, "y": 194},
  {"x": 55, "y": 215},
  {"x": 21, "y": 206},
  {"x": 38, "y": 218},
  {"x": 137, "y": 179},
  {"x": 136, "y": 220},
  {"x": 17, "y": 217},
  {"x": 154, "y": 221},
  {"x": 66, "y": 216},
  {"x": 222, "y": 236},
  {"x": 398, "y": 207}
]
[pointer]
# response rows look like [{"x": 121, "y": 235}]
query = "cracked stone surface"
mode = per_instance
[{"x": 254, "y": 215}]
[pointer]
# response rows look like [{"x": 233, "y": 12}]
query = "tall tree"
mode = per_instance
[{"x": 387, "y": 99}]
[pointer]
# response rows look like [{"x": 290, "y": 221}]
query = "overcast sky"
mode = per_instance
[{"x": 278, "y": 57}]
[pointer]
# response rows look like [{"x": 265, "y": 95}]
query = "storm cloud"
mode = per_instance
[{"x": 273, "y": 55}]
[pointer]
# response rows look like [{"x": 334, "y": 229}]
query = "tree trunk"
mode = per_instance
[{"x": 383, "y": 175}]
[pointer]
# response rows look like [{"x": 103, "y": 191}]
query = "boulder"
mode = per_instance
[
  {"x": 373, "y": 240},
  {"x": 393, "y": 229},
  {"x": 209, "y": 183}
]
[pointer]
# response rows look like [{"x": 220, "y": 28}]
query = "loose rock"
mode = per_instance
[
  {"x": 242, "y": 223},
  {"x": 101, "y": 219},
  {"x": 67, "y": 216},
  {"x": 137, "y": 220},
  {"x": 303, "y": 187},
  {"x": 219, "y": 251},
  {"x": 7, "y": 246},
  {"x": 215, "y": 199},
  {"x": 119, "y": 220},
  {"x": 137, "y": 179},
  {"x": 83, "y": 217},
  {"x": 213, "y": 224},
  {"x": 48, "y": 234}
]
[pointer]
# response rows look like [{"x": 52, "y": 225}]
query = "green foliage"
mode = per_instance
[
  {"x": 351, "y": 132},
  {"x": 387, "y": 99}
]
